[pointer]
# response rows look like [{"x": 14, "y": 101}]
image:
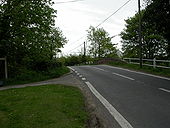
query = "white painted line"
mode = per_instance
[
  {"x": 80, "y": 76},
  {"x": 118, "y": 117},
  {"x": 98, "y": 68},
  {"x": 165, "y": 78},
  {"x": 165, "y": 90},
  {"x": 71, "y": 69},
  {"x": 83, "y": 78},
  {"x": 123, "y": 76}
]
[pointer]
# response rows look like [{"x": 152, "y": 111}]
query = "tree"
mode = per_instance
[
  {"x": 153, "y": 44},
  {"x": 158, "y": 14},
  {"x": 27, "y": 32},
  {"x": 101, "y": 45}
]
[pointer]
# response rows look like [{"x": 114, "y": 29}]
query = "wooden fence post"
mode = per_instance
[{"x": 154, "y": 63}]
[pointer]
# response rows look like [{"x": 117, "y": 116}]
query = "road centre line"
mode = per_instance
[
  {"x": 165, "y": 78},
  {"x": 165, "y": 90},
  {"x": 123, "y": 76},
  {"x": 116, "y": 74},
  {"x": 118, "y": 117},
  {"x": 99, "y": 68}
]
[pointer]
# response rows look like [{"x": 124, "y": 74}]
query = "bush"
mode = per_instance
[{"x": 27, "y": 76}]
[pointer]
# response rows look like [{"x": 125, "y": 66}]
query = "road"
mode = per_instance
[{"x": 133, "y": 99}]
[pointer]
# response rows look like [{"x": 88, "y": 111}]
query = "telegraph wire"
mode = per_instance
[
  {"x": 100, "y": 23},
  {"x": 113, "y": 13},
  {"x": 75, "y": 47},
  {"x": 78, "y": 39}
]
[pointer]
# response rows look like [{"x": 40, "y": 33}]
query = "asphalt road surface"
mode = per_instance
[{"x": 133, "y": 99}]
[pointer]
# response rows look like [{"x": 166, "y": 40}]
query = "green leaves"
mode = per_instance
[
  {"x": 158, "y": 14},
  {"x": 153, "y": 43},
  {"x": 101, "y": 45},
  {"x": 27, "y": 31}
]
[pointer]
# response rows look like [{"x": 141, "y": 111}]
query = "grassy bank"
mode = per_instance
[
  {"x": 49, "y": 106},
  {"x": 146, "y": 69},
  {"x": 27, "y": 76}
]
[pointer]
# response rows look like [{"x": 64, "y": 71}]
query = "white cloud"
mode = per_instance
[{"x": 75, "y": 18}]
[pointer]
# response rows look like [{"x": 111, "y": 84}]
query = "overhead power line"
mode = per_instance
[
  {"x": 68, "y": 1},
  {"x": 101, "y": 23},
  {"x": 76, "y": 47},
  {"x": 113, "y": 13},
  {"x": 78, "y": 39}
]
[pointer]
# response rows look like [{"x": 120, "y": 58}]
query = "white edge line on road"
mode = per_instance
[
  {"x": 71, "y": 68},
  {"x": 83, "y": 78},
  {"x": 165, "y": 78},
  {"x": 118, "y": 117},
  {"x": 123, "y": 76},
  {"x": 165, "y": 90}
]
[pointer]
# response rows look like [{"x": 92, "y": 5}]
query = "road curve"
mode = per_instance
[{"x": 141, "y": 99}]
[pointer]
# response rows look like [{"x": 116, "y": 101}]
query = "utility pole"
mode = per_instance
[
  {"x": 140, "y": 36},
  {"x": 99, "y": 49},
  {"x": 84, "y": 56},
  {"x": 84, "y": 48}
]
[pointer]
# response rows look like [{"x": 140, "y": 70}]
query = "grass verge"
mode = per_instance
[
  {"x": 28, "y": 76},
  {"x": 146, "y": 69},
  {"x": 48, "y": 106}
]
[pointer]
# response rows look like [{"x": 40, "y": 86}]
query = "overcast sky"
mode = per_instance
[{"x": 75, "y": 18}]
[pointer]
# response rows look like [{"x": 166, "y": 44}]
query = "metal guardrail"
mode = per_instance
[{"x": 150, "y": 62}]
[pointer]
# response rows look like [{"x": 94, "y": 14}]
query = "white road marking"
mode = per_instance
[
  {"x": 165, "y": 78},
  {"x": 71, "y": 68},
  {"x": 83, "y": 78},
  {"x": 123, "y": 76},
  {"x": 80, "y": 76},
  {"x": 99, "y": 68},
  {"x": 118, "y": 117},
  {"x": 165, "y": 90}
]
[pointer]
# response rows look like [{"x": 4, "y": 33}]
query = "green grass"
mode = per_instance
[
  {"x": 147, "y": 69},
  {"x": 49, "y": 106},
  {"x": 28, "y": 76}
]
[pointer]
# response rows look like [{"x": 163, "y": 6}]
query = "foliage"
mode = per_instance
[
  {"x": 72, "y": 60},
  {"x": 101, "y": 45},
  {"x": 24, "y": 75},
  {"x": 158, "y": 14},
  {"x": 27, "y": 33},
  {"x": 153, "y": 43},
  {"x": 75, "y": 60},
  {"x": 48, "y": 106}
]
